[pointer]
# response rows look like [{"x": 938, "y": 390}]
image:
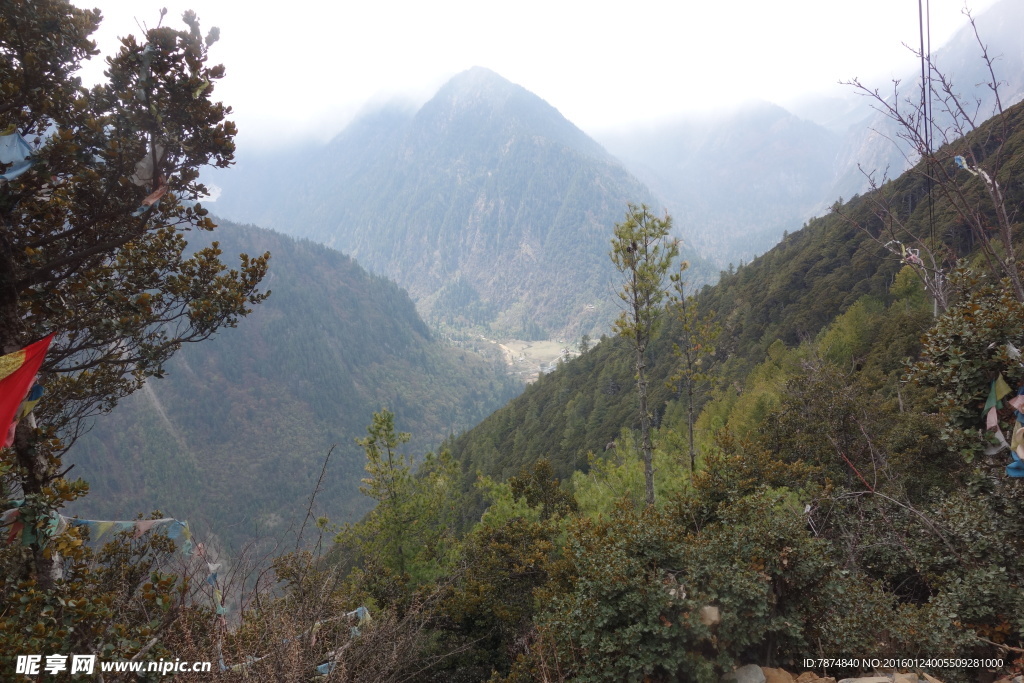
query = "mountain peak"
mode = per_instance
[
  {"x": 482, "y": 104},
  {"x": 477, "y": 87},
  {"x": 479, "y": 76}
]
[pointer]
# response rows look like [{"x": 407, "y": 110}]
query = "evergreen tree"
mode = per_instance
[
  {"x": 407, "y": 533},
  {"x": 697, "y": 335},
  {"x": 642, "y": 251},
  {"x": 92, "y": 221},
  {"x": 390, "y": 484}
]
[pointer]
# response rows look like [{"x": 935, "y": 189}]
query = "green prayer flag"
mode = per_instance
[{"x": 996, "y": 392}]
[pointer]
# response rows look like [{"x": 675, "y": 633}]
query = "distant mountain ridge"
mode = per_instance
[
  {"x": 741, "y": 179},
  {"x": 487, "y": 204},
  {"x": 737, "y": 181}
]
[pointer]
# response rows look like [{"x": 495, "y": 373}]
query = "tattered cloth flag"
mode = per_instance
[
  {"x": 997, "y": 391},
  {"x": 31, "y": 401},
  {"x": 15, "y": 153},
  {"x": 1016, "y": 468},
  {"x": 151, "y": 200},
  {"x": 962, "y": 163},
  {"x": 362, "y": 617},
  {"x": 17, "y": 375},
  {"x": 146, "y": 173},
  {"x": 14, "y": 518}
]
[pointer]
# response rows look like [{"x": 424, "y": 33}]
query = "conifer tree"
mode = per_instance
[
  {"x": 697, "y": 335},
  {"x": 642, "y": 252},
  {"x": 408, "y": 530}
]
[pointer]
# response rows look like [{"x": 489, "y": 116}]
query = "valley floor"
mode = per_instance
[{"x": 528, "y": 360}]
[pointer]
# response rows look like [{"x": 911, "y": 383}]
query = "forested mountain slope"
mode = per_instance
[
  {"x": 854, "y": 496},
  {"x": 853, "y": 488},
  {"x": 486, "y": 204},
  {"x": 235, "y": 435},
  {"x": 788, "y": 295}
]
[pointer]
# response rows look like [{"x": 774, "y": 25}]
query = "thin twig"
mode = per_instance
[
  {"x": 1001, "y": 646},
  {"x": 316, "y": 489}
]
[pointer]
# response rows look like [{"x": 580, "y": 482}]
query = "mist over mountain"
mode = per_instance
[
  {"x": 739, "y": 180},
  {"x": 809, "y": 466},
  {"x": 872, "y": 144},
  {"x": 489, "y": 206}
]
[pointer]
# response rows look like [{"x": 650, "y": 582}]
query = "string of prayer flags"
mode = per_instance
[
  {"x": 360, "y": 615},
  {"x": 175, "y": 530},
  {"x": 997, "y": 391},
  {"x": 17, "y": 375}
]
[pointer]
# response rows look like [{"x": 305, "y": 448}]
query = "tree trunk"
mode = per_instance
[
  {"x": 645, "y": 426},
  {"x": 689, "y": 420}
]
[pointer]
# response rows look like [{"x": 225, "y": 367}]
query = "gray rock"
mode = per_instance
[{"x": 751, "y": 673}]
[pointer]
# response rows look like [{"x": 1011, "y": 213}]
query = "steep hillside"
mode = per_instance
[
  {"x": 788, "y": 295},
  {"x": 486, "y": 204},
  {"x": 235, "y": 436},
  {"x": 842, "y": 477}
]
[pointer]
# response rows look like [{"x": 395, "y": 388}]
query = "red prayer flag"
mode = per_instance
[{"x": 17, "y": 373}]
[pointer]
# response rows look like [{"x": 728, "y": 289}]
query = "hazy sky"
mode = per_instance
[{"x": 303, "y": 66}]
